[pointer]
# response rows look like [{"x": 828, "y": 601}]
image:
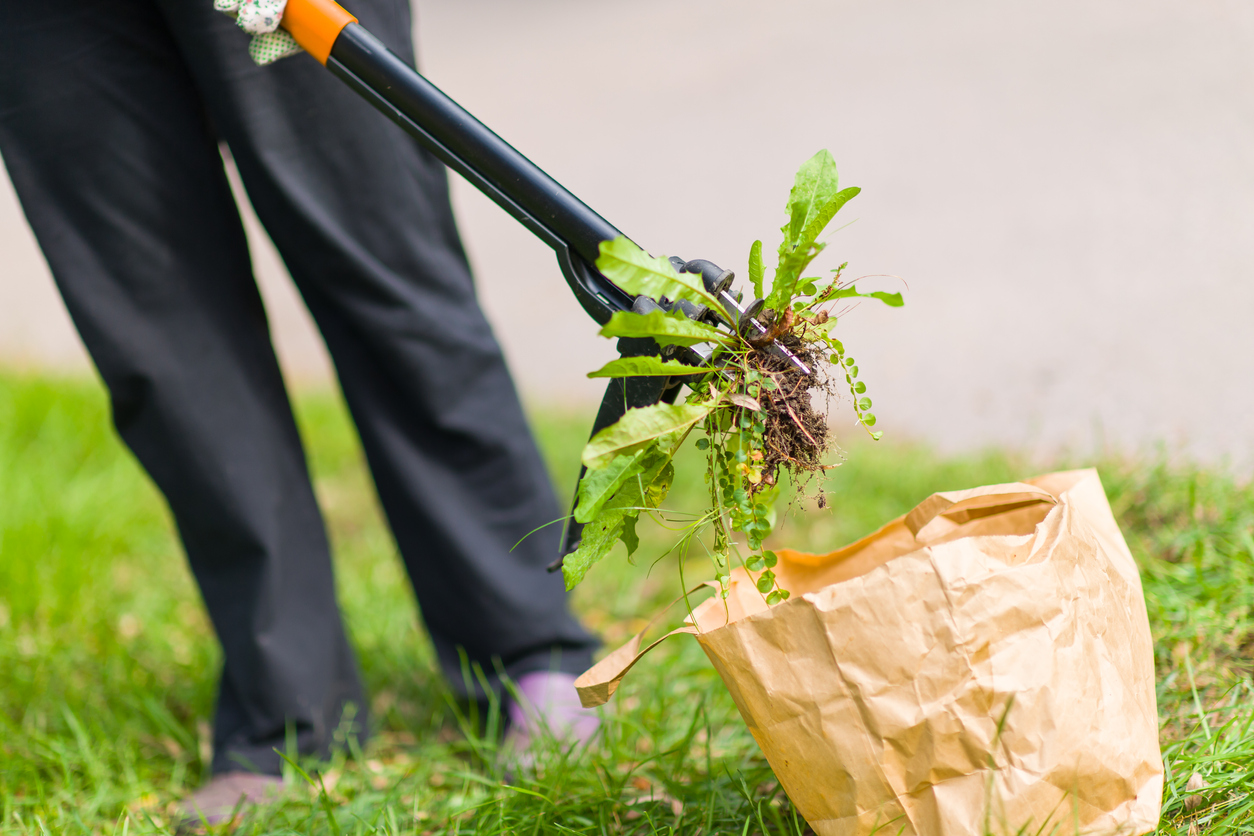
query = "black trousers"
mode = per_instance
[{"x": 111, "y": 112}]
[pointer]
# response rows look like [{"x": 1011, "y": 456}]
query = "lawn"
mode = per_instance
[{"x": 107, "y": 661}]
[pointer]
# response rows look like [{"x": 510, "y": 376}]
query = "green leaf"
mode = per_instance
[
  {"x": 893, "y": 300},
  {"x": 656, "y": 488},
  {"x": 859, "y": 387},
  {"x": 817, "y": 182},
  {"x": 598, "y": 486},
  {"x": 628, "y": 533},
  {"x": 771, "y": 559},
  {"x": 755, "y": 268},
  {"x": 648, "y": 488},
  {"x": 639, "y": 426},
  {"x": 598, "y": 539},
  {"x": 765, "y": 581},
  {"x": 868, "y": 419},
  {"x": 815, "y": 199},
  {"x": 644, "y": 367},
  {"x": 755, "y": 563},
  {"x": 668, "y": 328},
  {"x": 877, "y": 435},
  {"x": 864, "y": 404},
  {"x": 825, "y": 214},
  {"x": 635, "y": 271},
  {"x": 628, "y": 482}
]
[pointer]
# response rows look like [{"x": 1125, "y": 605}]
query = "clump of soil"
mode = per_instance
[{"x": 796, "y": 435}]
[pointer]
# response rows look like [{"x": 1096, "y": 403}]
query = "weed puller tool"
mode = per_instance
[{"x": 333, "y": 36}]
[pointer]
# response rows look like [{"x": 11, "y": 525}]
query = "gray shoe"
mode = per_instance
[
  {"x": 547, "y": 704},
  {"x": 227, "y": 795}
]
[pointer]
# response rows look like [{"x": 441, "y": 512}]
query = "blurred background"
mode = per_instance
[{"x": 1064, "y": 191}]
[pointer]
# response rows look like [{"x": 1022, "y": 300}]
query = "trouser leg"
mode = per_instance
[
  {"x": 361, "y": 217},
  {"x": 104, "y": 136}
]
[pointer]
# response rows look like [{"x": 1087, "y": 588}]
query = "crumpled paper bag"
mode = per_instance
[{"x": 980, "y": 664}]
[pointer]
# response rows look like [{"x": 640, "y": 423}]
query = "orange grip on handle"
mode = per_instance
[{"x": 315, "y": 24}]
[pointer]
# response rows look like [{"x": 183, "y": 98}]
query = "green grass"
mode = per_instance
[{"x": 107, "y": 661}]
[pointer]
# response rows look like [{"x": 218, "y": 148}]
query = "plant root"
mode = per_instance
[{"x": 796, "y": 435}]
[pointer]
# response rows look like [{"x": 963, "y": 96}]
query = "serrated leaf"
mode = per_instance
[
  {"x": 790, "y": 267},
  {"x": 635, "y": 271},
  {"x": 814, "y": 200},
  {"x": 644, "y": 367},
  {"x": 666, "y": 327},
  {"x": 598, "y": 486},
  {"x": 598, "y": 539},
  {"x": 756, "y": 269},
  {"x": 825, "y": 214},
  {"x": 744, "y": 401},
  {"x": 639, "y": 426},
  {"x": 816, "y": 184},
  {"x": 629, "y": 482}
]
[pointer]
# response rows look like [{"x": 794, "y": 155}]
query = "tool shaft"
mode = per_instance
[{"x": 471, "y": 148}]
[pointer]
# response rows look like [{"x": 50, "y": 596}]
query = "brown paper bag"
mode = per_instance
[{"x": 980, "y": 664}]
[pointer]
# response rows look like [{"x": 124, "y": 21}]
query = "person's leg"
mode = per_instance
[
  {"x": 105, "y": 138},
  {"x": 361, "y": 216}
]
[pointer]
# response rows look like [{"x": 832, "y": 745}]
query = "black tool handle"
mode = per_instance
[{"x": 495, "y": 167}]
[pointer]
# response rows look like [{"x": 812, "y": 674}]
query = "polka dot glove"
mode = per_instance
[{"x": 261, "y": 19}]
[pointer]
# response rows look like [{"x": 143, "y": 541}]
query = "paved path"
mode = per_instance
[{"x": 1067, "y": 189}]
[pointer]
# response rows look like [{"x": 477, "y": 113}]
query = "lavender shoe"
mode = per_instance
[
  {"x": 226, "y": 795},
  {"x": 547, "y": 705}
]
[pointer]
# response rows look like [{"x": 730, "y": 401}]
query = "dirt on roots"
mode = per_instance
[{"x": 796, "y": 435}]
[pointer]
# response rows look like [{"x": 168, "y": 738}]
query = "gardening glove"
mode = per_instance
[{"x": 261, "y": 18}]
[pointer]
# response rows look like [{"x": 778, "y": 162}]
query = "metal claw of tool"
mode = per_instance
[{"x": 718, "y": 282}]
